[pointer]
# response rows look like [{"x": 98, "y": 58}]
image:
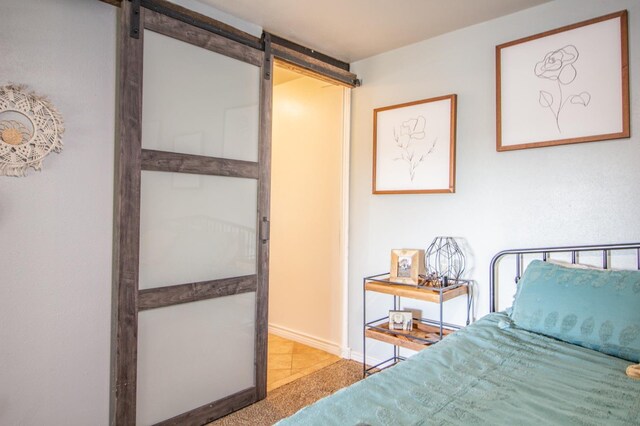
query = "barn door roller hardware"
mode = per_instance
[
  {"x": 135, "y": 19},
  {"x": 278, "y": 47},
  {"x": 265, "y": 230},
  {"x": 266, "y": 42},
  {"x": 184, "y": 15},
  {"x": 308, "y": 60}
]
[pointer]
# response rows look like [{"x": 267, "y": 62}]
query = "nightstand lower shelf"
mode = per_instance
[{"x": 422, "y": 335}]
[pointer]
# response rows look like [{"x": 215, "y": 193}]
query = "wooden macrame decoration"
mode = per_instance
[{"x": 30, "y": 128}]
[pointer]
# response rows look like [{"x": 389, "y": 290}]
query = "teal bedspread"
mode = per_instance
[{"x": 485, "y": 375}]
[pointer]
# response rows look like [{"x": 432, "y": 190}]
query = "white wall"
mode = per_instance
[
  {"x": 56, "y": 225},
  {"x": 305, "y": 289},
  {"x": 571, "y": 194}
]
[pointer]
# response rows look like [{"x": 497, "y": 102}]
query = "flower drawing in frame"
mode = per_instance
[
  {"x": 414, "y": 147},
  {"x": 564, "y": 86},
  {"x": 407, "y": 136},
  {"x": 558, "y": 67}
]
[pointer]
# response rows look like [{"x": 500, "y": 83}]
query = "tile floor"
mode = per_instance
[{"x": 288, "y": 360}]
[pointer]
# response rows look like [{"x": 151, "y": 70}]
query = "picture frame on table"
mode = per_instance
[
  {"x": 400, "y": 321},
  {"x": 406, "y": 266}
]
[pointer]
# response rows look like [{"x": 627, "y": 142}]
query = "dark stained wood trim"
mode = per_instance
[
  {"x": 197, "y": 19},
  {"x": 128, "y": 300},
  {"x": 309, "y": 52},
  {"x": 164, "y": 161},
  {"x": 127, "y": 226},
  {"x": 192, "y": 292},
  {"x": 186, "y": 29},
  {"x": 205, "y": 22},
  {"x": 498, "y": 99},
  {"x": 214, "y": 410},
  {"x": 624, "y": 54},
  {"x": 337, "y": 75},
  {"x": 182, "y": 31},
  {"x": 264, "y": 206},
  {"x": 112, "y": 2},
  {"x": 304, "y": 71}
]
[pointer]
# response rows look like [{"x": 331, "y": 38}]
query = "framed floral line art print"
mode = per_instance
[
  {"x": 564, "y": 86},
  {"x": 414, "y": 147}
]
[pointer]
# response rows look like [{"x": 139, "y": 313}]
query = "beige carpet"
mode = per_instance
[{"x": 287, "y": 399}]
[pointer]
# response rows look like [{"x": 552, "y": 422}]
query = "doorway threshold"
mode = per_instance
[{"x": 288, "y": 361}]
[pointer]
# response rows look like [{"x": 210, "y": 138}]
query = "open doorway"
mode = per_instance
[{"x": 308, "y": 228}]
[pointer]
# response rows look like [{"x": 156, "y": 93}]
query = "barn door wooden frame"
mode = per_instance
[
  {"x": 128, "y": 300},
  {"x": 289, "y": 54},
  {"x": 131, "y": 159}
]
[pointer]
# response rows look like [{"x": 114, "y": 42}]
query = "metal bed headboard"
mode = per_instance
[{"x": 545, "y": 252}]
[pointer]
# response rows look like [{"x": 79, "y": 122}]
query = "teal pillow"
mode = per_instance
[{"x": 597, "y": 309}]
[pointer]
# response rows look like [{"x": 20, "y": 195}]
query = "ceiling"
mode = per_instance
[{"x": 351, "y": 30}]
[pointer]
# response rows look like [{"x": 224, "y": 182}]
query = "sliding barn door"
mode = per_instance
[{"x": 192, "y": 209}]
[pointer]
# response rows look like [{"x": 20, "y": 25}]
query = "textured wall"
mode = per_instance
[
  {"x": 56, "y": 225},
  {"x": 571, "y": 194}
]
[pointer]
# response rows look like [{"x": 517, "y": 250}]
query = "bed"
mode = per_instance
[{"x": 512, "y": 368}]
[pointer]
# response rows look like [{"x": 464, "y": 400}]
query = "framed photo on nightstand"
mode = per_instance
[
  {"x": 406, "y": 266},
  {"x": 401, "y": 321}
]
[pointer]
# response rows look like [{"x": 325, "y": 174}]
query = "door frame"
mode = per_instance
[
  {"x": 131, "y": 160},
  {"x": 344, "y": 225},
  {"x": 341, "y": 346}
]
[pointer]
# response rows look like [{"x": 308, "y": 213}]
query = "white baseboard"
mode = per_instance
[
  {"x": 308, "y": 340},
  {"x": 357, "y": 356},
  {"x": 346, "y": 353}
]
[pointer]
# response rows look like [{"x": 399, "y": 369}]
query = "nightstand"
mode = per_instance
[{"x": 425, "y": 331}]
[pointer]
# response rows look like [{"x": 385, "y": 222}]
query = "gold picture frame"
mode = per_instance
[{"x": 406, "y": 266}]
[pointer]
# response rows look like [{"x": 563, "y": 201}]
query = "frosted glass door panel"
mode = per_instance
[
  {"x": 196, "y": 101},
  {"x": 193, "y": 354},
  {"x": 196, "y": 228}
]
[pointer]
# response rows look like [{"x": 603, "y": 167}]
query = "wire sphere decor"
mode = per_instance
[{"x": 444, "y": 261}]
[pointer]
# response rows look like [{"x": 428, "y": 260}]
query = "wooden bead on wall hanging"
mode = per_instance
[{"x": 30, "y": 128}]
